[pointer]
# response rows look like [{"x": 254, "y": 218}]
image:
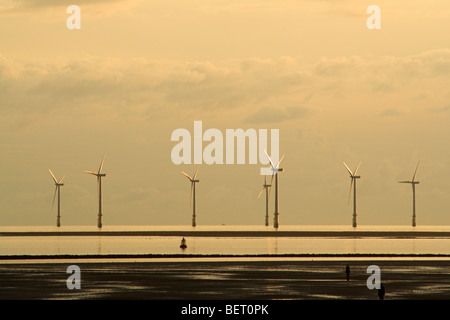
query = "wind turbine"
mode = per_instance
[
  {"x": 58, "y": 184},
  {"x": 275, "y": 170},
  {"x": 267, "y": 188},
  {"x": 193, "y": 182},
  {"x": 99, "y": 190},
  {"x": 353, "y": 176},
  {"x": 413, "y": 184}
]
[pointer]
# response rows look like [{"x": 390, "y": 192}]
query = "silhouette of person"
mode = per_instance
[
  {"x": 381, "y": 292},
  {"x": 347, "y": 271}
]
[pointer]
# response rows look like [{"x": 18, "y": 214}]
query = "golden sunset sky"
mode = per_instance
[{"x": 137, "y": 70}]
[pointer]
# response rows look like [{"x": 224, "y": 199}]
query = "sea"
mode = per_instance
[{"x": 198, "y": 245}]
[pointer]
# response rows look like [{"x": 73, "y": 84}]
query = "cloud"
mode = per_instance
[
  {"x": 137, "y": 194},
  {"x": 434, "y": 63},
  {"x": 51, "y": 3},
  {"x": 277, "y": 115},
  {"x": 141, "y": 87},
  {"x": 156, "y": 89},
  {"x": 27, "y": 6},
  {"x": 346, "y": 8},
  {"x": 390, "y": 112},
  {"x": 440, "y": 109}
]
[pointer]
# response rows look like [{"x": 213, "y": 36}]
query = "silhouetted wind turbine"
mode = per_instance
[
  {"x": 99, "y": 190},
  {"x": 57, "y": 185},
  {"x": 413, "y": 184},
  {"x": 193, "y": 182},
  {"x": 267, "y": 188},
  {"x": 275, "y": 170},
  {"x": 353, "y": 176}
]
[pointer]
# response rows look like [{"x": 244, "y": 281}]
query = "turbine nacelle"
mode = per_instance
[
  {"x": 272, "y": 165},
  {"x": 353, "y": 174},
  {"x": 413, "y": 181},
  {"x": 275, "y": 169},
  {"x": 57, "y": 183},
  {"x": 264, "y": 186},
  {"x": 192, "y": 179},
  {"x": 96, "y": 174}
]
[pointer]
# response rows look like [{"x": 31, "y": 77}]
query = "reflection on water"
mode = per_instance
[
  {"x": 225, "y": 228},
  {"x": 79, "y": 245},
  {"x": 97, "y": 244},
  {"x": 325, "y": 296},
  {"x": 272, "y": 245}
]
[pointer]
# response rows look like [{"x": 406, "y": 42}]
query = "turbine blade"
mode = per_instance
[
  {"x": 348, "y": 169},
  {"x": 98, "y": 187},
  {"x": 195, "y": 175},
  {"x": 91, "y": 172},
  {"x": 350, "y": 191},
  {"x": 101, "y": 164},
  {"x": 271, "y": 184},
  {"x": 282, "y": 157},
  {"x": 53, "y": 176},
  {"x": 61, "y": 179},
  {"x": 357, "y": 168},
  {"x": 270, "y": 160},
  {"x": 405, "y": 182},
  {"x": 54, "y": 197},
  {"x": 188, "y": 176},
  {"x": 415, "y": 172},
  {"x": 192, "y": 187},
  {"x": 260, "y": 193}
]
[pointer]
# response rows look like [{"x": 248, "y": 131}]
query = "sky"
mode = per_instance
[{"x": 138, "y": 70}]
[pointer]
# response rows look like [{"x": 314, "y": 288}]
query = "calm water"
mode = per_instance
[{"x": 49, "y": 245}]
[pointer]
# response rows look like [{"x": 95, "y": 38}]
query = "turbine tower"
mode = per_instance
[
  {"x": 267, "y": 188},
  {"x": 413, "y": 184},
  {"x": 275, "y": 170},
  {"x": 353, "y": 176},
  {"x": 193, "y": 182},
  {"x": 99, "y": 175},
  {"x": 58, "y": 184}
]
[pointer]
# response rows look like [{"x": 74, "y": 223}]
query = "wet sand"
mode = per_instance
[{"x": 225, "y": 280}]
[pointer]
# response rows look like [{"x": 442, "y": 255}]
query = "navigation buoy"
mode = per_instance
[{"x": 183, "y": 244}]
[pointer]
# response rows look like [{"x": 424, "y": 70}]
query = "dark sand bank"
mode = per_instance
[
  {"x": 349, "y": 234},
  {"x": 216, "y": 256},
  {"x": 227, "y": 280}
]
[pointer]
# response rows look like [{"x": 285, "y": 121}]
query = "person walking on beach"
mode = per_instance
[
  {"x": 347, "y": 271},
  {"x": 381, "y": 292}
]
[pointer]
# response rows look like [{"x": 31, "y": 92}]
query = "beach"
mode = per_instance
[
  {"x": 224, "y": 263},
  {"x": 258, "y": 279}
]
